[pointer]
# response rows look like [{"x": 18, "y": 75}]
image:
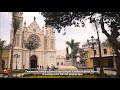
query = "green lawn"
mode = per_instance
[{"x": 82, "y": 76}]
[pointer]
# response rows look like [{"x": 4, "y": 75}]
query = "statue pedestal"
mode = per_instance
[{"x": 68, "y": 63}]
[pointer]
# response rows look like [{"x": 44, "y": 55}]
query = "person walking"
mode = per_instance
[
  {"x": 48, "y": 68},
  {"x": 5, "y": 73}
]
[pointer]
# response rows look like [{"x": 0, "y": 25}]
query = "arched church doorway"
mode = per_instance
[
  {"x": 3, "y": 64},
  {"x": 33, "y": 61}
]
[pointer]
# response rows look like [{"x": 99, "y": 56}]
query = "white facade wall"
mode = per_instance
[{"x": 43, "y": 55}]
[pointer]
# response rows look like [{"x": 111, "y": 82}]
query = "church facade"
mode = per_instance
[{"x": 43, "y": 56}]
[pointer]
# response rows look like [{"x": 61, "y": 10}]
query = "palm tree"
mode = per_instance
[
  {"x": 2, "y": 47},
  {"x": 74, "y": 49},
  {"x": 15, "y": 26},
  {"x": 31, "y": 45}
]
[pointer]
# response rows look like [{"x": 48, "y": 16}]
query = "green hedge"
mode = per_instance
[
  {"x": 81, "y": 76},
  {"x": 19, "y": 71}
]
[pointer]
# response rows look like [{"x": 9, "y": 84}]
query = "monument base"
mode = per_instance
[
  {"x": 68, "y": 63},
  {"x": 67, "y": 68}
]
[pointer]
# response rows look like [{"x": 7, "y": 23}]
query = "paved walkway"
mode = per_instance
[
  {"x": 109, "y": 72},
  {"x": 18, "y": 74}
]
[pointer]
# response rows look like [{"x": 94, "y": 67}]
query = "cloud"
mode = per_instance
[{"x": 5, "y": 26}]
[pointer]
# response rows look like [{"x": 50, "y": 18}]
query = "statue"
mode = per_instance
[{"x": 34, "y": 18}]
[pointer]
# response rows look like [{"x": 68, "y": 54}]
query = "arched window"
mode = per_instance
[
  {"x": 17, "y": 40},
  {"x": 45, "y": 43},
  {"x": 57, "y": 63},
  {"x": 61, "y": 63},
  {"x": 51, "y": 44},
  {"x": 105, "y": 51}
]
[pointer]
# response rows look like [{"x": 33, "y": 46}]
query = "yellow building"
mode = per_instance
[
  {"x": 107, "y": 54},
  {"x": 5, "y": 57},
  {"x": 89, "y": 62}
]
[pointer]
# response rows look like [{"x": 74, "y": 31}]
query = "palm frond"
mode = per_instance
[
  {"x": 2, "y": 45},
  {"x": 15, "y": 22}
]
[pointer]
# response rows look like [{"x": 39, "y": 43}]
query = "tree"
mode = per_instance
[
  {"x": 74, "y": 49},
  {"x": 15, "y": 27},
  {"x": 2, "y": 47},
  {"x": 61, "y": 20},
  {"x": 107, "y": 44},
  {"x": 31, "y": 45}
]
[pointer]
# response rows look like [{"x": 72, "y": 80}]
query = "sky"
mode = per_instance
[{"x": 79, "y": 34}]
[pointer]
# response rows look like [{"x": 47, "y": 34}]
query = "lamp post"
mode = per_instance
[
  {"x": 16, "y": 56},
  {"x": 92, "y": 42}
]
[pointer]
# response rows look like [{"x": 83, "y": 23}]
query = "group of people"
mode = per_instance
[
  {"x": 52, "y": 67},
  {"x": 41, "y": 67}
]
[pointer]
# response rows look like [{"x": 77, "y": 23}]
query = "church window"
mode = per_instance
[
  {"x": 45, "y": 42},
  {"x": 17, "y": 40},
  {"x": 35, "y": 38},
  {"x": 51, "y": 43},
  {"x": 61, "y": 63},
  {"x": 57, "y": 63},
  {"x": 34, "y": 30}
]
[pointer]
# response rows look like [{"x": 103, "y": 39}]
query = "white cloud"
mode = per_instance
[{"x": 5, "y": 26}]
